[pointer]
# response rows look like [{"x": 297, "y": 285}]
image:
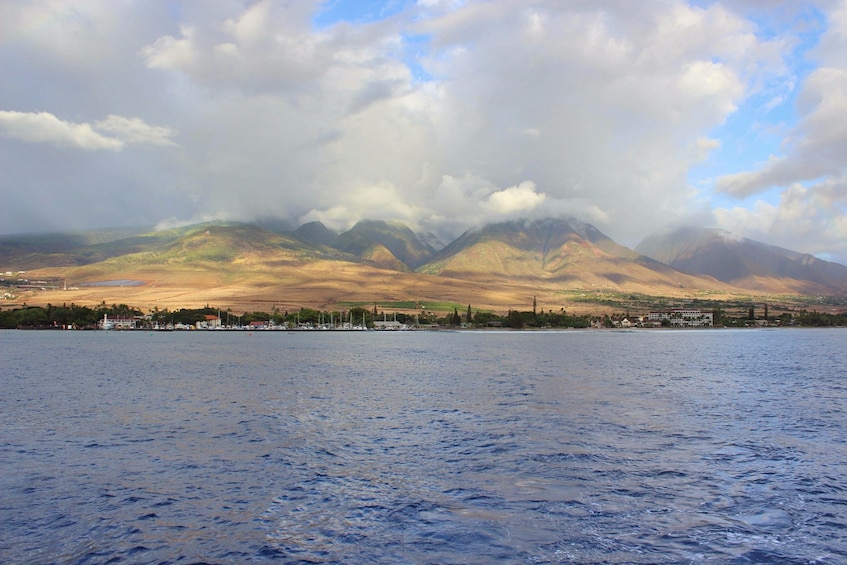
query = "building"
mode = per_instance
[
  {"x": 681, "y": 318},
  {"x": 389, "y": 325},
  {"x": 209, "y": 322},
  {"x": 108, "y": 323}
]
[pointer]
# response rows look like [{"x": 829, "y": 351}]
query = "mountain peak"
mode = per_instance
[
  {"x": 396, "y": 238},
  {"x": 744, "y": 262},
  {"x": 315, "y": 233}
]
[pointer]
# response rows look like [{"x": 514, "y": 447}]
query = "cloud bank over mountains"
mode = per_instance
[{"x": 443, "y": 115}]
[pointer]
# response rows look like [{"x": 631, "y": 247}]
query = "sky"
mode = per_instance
[{"x": 636, "y": 117}]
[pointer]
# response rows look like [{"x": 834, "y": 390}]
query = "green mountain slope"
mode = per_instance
[{"x": 399, "y": 240}]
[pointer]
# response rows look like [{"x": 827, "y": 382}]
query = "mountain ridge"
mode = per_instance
[
  {"x": 565, "y": 251},
  {"x": 498, "y": 264},
  {"x": 745, "y": 262}
]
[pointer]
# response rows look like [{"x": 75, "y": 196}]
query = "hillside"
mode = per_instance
[
  {"x": 315, "y": 233},
  {"x": 563, "y": 262},
  {"x": 745, "y": 262},
  {"x": 374, "y": 238},
  {"x": 247, "y": 267},
  {"x": 567, "y": 253},
  {"x": 27, "y": 251}
]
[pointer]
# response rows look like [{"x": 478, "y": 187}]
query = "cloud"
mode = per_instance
[
  {"x": 444, "y": 115},
  {"x": 815, "y": 215},
  {"x": 515, "y": 199},
  {"x": 808, "y": 174},
  {"x": 379, "y": 201},
  {"x": 135, "y": 131},
  {"x": 466, "y": 202},
  {"x": 615, "y": 99},
  {"x": 44, "y": 127},
  {"x": 816, "y": 147}
]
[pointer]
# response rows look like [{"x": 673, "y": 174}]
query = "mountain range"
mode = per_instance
[
  {"x": 498, "y": 265},
  {"x": 745, "y": 263}
]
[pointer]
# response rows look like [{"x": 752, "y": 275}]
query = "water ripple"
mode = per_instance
[{"x": 586, "y": 447}]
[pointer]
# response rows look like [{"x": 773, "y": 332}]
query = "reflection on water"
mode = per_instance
[{"x": 589, "y": 447}]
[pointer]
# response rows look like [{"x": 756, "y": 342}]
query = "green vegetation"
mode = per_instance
[
  {"x": 63, "y": 316},
  {"x": 83, "y": 317}
]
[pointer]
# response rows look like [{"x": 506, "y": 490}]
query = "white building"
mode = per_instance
[
  {"x": 209, "y": 322},
  {"x": 108, "y": 323},
  {"x": 389, "y": 325},
  {"x": 682, "y": 318}
]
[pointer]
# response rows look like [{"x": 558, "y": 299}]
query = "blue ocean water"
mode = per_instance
[{"x": 713, "y": 446}]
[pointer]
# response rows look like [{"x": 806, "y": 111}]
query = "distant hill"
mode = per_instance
[
  {"x": 391, "y": 245},
  {"x": 566, "y": 251},
  {"x": 184, "y": 245},
  {"x": 745, "y": 263},
  {"x": 315, "y": 233},
  {"x": 31, "y": 251}
]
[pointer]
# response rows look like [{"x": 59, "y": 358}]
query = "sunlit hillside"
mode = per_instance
[{"x": 561, "y": 264}]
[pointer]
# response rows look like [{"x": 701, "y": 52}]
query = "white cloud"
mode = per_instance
[
  {"x": 702, "y": 147},
  {"x": 815, "y": 216},
  {"x": 622, "y": 97},
  {"x": 593, "y": 109},
  {"x": 754, "y": 223},
  {"x": 264, "y": 47},
  {"x": 817, "y": 147},
  {"x": 380, "y": 201},
  {"x": 808, "y": 172},
  {"x": 516, "y": 199},
  {"x": 173, "y": 53},
  {"x": 135, "y": 131},
  {"x": 43, "y": 127}
]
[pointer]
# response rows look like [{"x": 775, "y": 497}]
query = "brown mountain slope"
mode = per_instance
[
  {"x": 746, "y": 263},
  {"x": 380, "y": 256},
  {"x": 248, "y": 268},
  {"x": 564, "y": 263},
  {"x": 368, "y": 237},
  {"x": 284, "y": 282},
  {"x": 564, "y": 254}
]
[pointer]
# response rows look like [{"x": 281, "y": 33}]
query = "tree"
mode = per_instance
[
  {"x": 32, "y": 317},
  {"x": 514, "y": 319},
  {"x": 468, "y": 317},
  {"x": 483, "y": 318},
  {"x": 361, "y": 316},
  {"x": 751, "y": 314},
  {"x": 456, "y": 320}
]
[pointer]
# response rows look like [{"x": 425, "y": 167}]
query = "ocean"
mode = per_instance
[{"x": 603, "y": 446}]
